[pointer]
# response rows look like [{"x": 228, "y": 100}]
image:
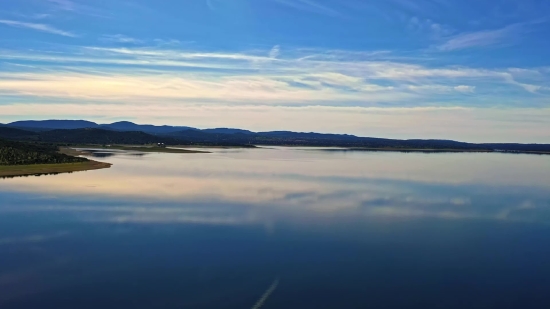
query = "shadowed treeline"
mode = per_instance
[{"x": 17, "y": 153}]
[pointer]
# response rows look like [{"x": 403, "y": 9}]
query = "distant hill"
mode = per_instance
[
  {"x": 101, "y": 136},
  {"x": 130, "y": 126},
  {"x": 86, "y": 136},
  {"x": 18, "y": 153},
  {"x": 44, "y": 125},
  {"x": 227, "y": 131},
  {"x": 518, "y": 147},
  {"x": 54, "y": 124},
  {"x": 285, "y": 138},
  {"x": 130, "y": 133},
  {"x": 16, "y": 134},
  {"x": 203, "y": 137}
]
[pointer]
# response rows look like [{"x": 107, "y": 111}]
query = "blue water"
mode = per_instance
[{"x": 280, "y": 228}]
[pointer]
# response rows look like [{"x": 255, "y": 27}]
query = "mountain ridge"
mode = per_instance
[{"x": 125, "y": 132}]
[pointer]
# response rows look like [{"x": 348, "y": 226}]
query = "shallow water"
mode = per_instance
[{"x": 280, "y": 228}]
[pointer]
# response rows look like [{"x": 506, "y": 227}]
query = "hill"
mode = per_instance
[
  {"x": 101, "y": 136},
  {"x": 86, "y": 136},
  {"x": 285, "y": 138},
  {"x": 226, "y": 131},
  {"x": 53, "y": 124},
  {"x": 16, "y": 134},
  {"x": 237, "y": 137},
  {"x": 45, "y": 125},
  {"x": 130, "y": 126}
]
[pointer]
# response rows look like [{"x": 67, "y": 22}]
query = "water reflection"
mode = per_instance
[
  {"x": 495, "y": 186},
  {"x": 102, "y": 153},
  {"x": 338, "y": 230}
]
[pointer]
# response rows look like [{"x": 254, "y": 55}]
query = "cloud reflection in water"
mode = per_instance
[{"x": 257, "y": 185}]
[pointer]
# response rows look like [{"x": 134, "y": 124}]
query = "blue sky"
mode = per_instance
[{"x": 468, "y": 70}]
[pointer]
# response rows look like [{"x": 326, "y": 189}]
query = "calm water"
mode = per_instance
[{"x": 280, "y": 228}]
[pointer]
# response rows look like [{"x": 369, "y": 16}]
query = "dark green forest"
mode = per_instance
[{"x": 19, "y": 153}]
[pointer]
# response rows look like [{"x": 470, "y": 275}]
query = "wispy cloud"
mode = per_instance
[
  {"x": 464, "y": 88},
  {"x": 37, "y": 27},
  {"x": 310, "y": 6},
  {"x": 328, "y": 78},
  {"x": 481, "y": 38},
  {"x": 120, "y": 38},
  {"x": 275, "y": 51},
  {"x": 65, "y": 5},
  {"x": 434, "y": 29},
  {"x": 75, "y": 7}
]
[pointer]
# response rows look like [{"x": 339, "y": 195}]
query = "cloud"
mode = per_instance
[
  {"x": 464, "y": 88},
  {"x": 310, "y": 6},
  {"x": 481, "y": 38},
  {"x": 275, "y": 51},
  {"x": 74, "y": 7},
  {"x": 527, "y": 86},
  {"x": 295, "y": 78},
  {"x": 434, "y": 29},
  {"x": 119, "y": 38},
  {"x": 150, "y": 86},
  {"x": 65, "y": 5},
  {"x": 38, "y": 27}
]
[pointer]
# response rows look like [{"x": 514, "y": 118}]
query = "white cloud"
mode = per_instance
[
  {"x": 148, "y": 86},
  {"x": 78, "y": 7},
  {"x": 65, "y": 5},
  {"x": 275, "y": 51},
  {"x": 464, "y": 88},
  {"x": 481, "y": 38},
  {"x": 346, "y": 92},
  {"x": 295, "y": 78},
  {"x": 120, "y": 38},
  {"x": 436, "y": 30},
  {"x": 38, "y": 27}
]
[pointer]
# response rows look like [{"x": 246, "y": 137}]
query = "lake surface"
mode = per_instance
[{"x": 280, "y": 228}]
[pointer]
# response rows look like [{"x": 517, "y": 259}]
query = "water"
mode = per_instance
[{"x": 280, "y": 228}]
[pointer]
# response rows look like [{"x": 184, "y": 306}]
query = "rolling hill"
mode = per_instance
[{"x": 53, "y": 124}]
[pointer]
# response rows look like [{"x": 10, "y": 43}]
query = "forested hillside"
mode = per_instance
[
  {"x": 18, "y": 153},
  {"x": 100, "y": 136},
  {"x": 243, "y": 138}
]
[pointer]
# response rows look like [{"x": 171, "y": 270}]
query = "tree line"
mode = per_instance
[{"x": 19, "y": 153}]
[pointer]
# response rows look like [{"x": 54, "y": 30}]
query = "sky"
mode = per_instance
[{"x": 455, "y": 69}]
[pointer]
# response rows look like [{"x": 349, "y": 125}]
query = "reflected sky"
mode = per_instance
[
  {"x": 217, "y": 230},
  {"x": 294, "y": 180}
]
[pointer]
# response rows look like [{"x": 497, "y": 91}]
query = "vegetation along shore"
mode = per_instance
[{"x": 20, "y": 159}]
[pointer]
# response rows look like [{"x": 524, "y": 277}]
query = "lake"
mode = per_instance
[{"x": 280, "y": 228}]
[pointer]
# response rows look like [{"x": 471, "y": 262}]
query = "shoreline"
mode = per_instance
[
  {"x": 438, "y": 150},
  {"x": 45, "y": 169},
  {"x": 215, "y": 147}
]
